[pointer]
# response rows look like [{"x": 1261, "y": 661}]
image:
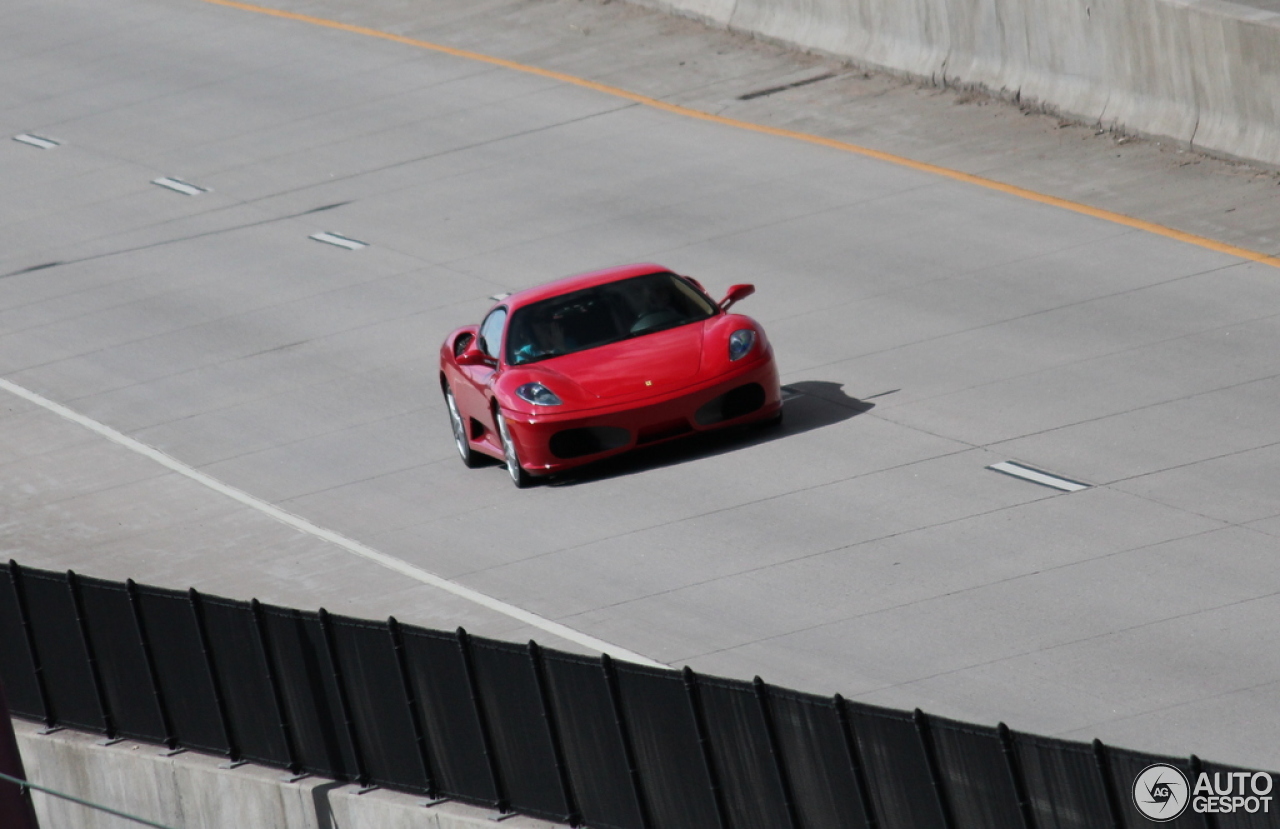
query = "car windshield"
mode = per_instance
[{"x": 604, "y": 314}]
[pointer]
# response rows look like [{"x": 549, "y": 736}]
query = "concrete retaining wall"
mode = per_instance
[
  {"x": 1202, "y": 72},
  {"x": 191, "y": 791}
]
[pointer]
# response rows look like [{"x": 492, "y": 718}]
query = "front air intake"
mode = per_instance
[
  {"x": 741, "y": 401},
  {"x": 575, "y": 443}
]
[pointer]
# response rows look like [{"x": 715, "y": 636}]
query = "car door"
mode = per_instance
[{"x": 474, "y": 395}]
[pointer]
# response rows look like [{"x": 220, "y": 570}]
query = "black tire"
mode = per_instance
[
  {"x": 470, "y": 458},
  {"x": 519, "y": 477}
]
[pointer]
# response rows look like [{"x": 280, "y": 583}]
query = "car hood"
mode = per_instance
[{"x": 650, "y": 364}]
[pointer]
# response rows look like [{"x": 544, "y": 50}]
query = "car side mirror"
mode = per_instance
[
  {"x": 473, "y": 356},
  {"x": 736, "y": 292}
]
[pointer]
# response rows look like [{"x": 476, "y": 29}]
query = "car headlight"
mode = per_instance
[
  {"x": 538, "y": 395},
  {"x": 740, "y": 342}
]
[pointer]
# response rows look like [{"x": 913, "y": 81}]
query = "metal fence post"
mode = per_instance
[
  {"x": 37, "y": 669},
  {"x": 553, "y": 731},
  {"x": 228, "y": 732},
  {"x": 1102, "y": 763},
  {"x": 95, "y": 673},
  {"x": 628, "y": 751},
  {"x": 700, "y": 725},
  {"x": 277, "y": 697},
  {"x": 1015, "y": 775},
  {"x": 502, "y": 803},
  {"x": 855, "y": 762},
  {"x": 170, "y": 739},
  {"x": 931, "y": 760},
  {"x": 326, "y": 630},
  {"x": 775, "y": 751},
  {"x": 411, "y": 703}
]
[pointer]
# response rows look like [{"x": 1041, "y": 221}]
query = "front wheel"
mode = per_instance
[
  {"x": 519, "y": 477},
  {"x": 459, "y": 426}
]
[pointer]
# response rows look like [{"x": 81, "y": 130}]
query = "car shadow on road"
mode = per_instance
[{"x": 809, "y": 405}]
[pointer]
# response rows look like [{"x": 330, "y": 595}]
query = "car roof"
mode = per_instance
[{"x": 578, "y": 282}]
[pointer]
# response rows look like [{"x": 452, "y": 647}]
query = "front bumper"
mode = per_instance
[{"x": 554, "y": 442}]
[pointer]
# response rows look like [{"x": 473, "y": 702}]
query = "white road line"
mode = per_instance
[
  {"x": 180, "y": 186},
  {"x": 340, "y": 241},
  {"x": 350, "y": 545},
  {"x": 37, "y": 141},
  {"x": 1027, "y": 473}
]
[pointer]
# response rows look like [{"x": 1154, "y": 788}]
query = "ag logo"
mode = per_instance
[{"x": 1160, "y": 792}]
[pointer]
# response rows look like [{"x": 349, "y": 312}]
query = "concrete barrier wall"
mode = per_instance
[
  {"x": 193, "y": 791},
  {"x": 1202, "y": 72}
]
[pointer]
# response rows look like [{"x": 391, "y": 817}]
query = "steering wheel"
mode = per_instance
[{"x": 654, "y": 319}]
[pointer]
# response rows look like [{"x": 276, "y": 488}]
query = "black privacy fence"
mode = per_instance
[{"x": 585, "y": 741}]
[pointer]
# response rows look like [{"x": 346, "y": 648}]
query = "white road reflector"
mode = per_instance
[
  {"x": 789, "y": 393},
  {"x": 500, "y": 297},
  {"x": 340, "y": 241},
  {"x": 1036, "y": 476},
  {"x": 37, "y": 141},
  {"x": 180, "y": 186}
]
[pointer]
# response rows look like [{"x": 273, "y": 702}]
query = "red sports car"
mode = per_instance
[{"x": 593, "y": 365}]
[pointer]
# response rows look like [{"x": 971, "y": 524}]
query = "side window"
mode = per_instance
[{"x": 491, "y": 332}]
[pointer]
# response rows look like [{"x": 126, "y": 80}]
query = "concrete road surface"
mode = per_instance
[{"x": 929, "y": 327}]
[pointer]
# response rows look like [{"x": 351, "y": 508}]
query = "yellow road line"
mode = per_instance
[{"x": 956, "y": 175}]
